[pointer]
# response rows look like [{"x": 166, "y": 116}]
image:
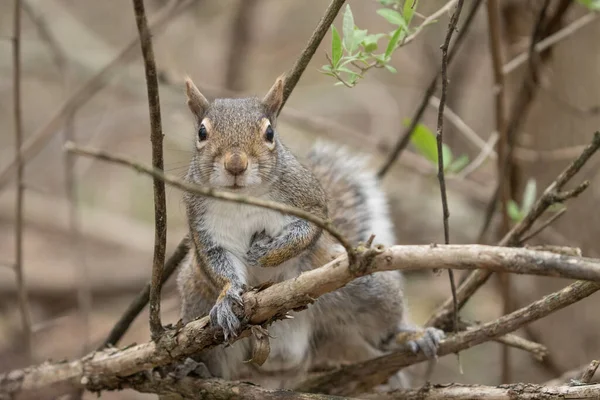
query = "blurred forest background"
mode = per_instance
[{"x": 90, "y": 225}]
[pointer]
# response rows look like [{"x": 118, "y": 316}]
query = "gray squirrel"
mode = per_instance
[{"x": 237, "y": 246}]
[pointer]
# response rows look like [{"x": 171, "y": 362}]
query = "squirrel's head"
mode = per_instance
[{"x": 236, "y": 142}]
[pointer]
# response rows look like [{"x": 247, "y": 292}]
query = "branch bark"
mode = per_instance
[
  {"x": 106, "y": 369},
  {"x": 156, "y": 137}
]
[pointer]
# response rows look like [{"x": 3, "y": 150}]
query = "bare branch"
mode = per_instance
[
  {"x": 440, "y": 142},
  {"x": 209, "y": 192},
  {"x": 293, "y": 76},
  {"x": 523, "y": 391},
  {"x": 405, "y": 137},
  {"x": 20, "y": 164},
  {"x": 588, "y": 374},
  {"x": 106, "y": 369},
  {"x": 156, "y": 137},
  {"x": 241, "y": 33},
  {"x": 514, "y": 237},
  {"x": 361, "y": 377}
]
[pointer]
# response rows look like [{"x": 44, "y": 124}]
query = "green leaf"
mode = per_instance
[
  {"x": 369, "y": 43},
  {"x": 348, "y": 28},
  {"x": 458, "y": 164},
  {"x": 392, "y": 16},
  {"x": 393, "y": 43},
  {"x": 359, "y": 36},
  {"x": 346, "y": 70},
  {"x": 529, "y": 195},
  {"x": 424, "y": 141},
  {"x": 408, "y": 10},
  {"x": 336, "y": 46},
  {"x": 513, "y": 211},
  {"x": 390, "y": 68}
]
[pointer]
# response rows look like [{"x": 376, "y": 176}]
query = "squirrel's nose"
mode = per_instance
[{"x": 236, "y": 163}]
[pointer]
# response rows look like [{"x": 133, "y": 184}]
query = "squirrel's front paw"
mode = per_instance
[
  {"x": 259, "y": 247},
  {"x": 428, "y": 342},
  {"x": 223, "y": 315}
]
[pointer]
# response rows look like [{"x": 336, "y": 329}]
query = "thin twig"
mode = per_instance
[
  {"x": 142, "y": 298},
  {"x": 18, "y": 121},
  {"x": 474, "y": 281},
  {"x": 488, "y": 150},
  {"x": 209, "y": 192},
  {"x": 429, "y": 20},
  {"x": 440, "y": 140},
  {"x": 293, "y": 76},
  {"x": 156, "y": 137},
  {"x": 404, "y": 139},
  {"x": 544, "y": 225}
]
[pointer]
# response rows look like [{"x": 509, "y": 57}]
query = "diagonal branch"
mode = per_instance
[
  {"x": 108, "y": 368},
  {"x": 361, "y": 377},
  {"x": 156, "y": 137}
]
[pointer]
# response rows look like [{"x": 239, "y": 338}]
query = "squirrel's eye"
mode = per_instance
[
  {"x": 202, "y": 133},
  {"x": 269, "y": 134}
]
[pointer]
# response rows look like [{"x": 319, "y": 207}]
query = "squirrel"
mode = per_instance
[{"x": 238, "y": 246}]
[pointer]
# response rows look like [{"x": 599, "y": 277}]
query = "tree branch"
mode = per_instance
[
  {"x": 523, "y": 391},
  {"x": 361, "y": 377},
  {"x": 477, "y": 278},
  {"x": 156, "y": 137},
  {"x": 106, "y": 369},
  {"x": 440, "y": 142}
]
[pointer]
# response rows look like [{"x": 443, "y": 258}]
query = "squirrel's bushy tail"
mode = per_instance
[{"x": 356, "y": 203}]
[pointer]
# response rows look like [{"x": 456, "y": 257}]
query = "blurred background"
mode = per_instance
[{"x": 90, "y": 224}]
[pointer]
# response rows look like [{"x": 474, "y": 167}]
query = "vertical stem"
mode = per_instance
[
  {"x": 238, "y": 45},
  {"x": 156, "y": 138},
  {"x": 18, "y": 121},
  {"x": 440, "y": 139},
  {"x": 495, "y": 34}
]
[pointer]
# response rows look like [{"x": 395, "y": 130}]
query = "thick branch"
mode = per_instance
[
  {"x": 523, "y": 391},
  {"x": 106, "y": 368},
  {"x": 156, "y": 137}
]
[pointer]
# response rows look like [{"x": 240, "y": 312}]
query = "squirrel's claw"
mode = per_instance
[
  {"x": 223, "y": 315},
  {"x": 428, "y": 343}
]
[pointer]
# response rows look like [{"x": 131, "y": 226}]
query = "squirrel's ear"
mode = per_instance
[
  {"x": 274, "y": 99},
  {"x": 195, "y": 100}
]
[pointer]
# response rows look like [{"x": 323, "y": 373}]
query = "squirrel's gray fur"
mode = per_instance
[{"x": 237, "y": 246}]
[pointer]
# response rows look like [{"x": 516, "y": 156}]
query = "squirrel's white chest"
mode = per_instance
[{"x": 232, "y": 225}]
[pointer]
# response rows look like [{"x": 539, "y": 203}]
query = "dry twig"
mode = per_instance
[
  {"x": 440, "y": 140},
  {"x": 156, "y": 137}
]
